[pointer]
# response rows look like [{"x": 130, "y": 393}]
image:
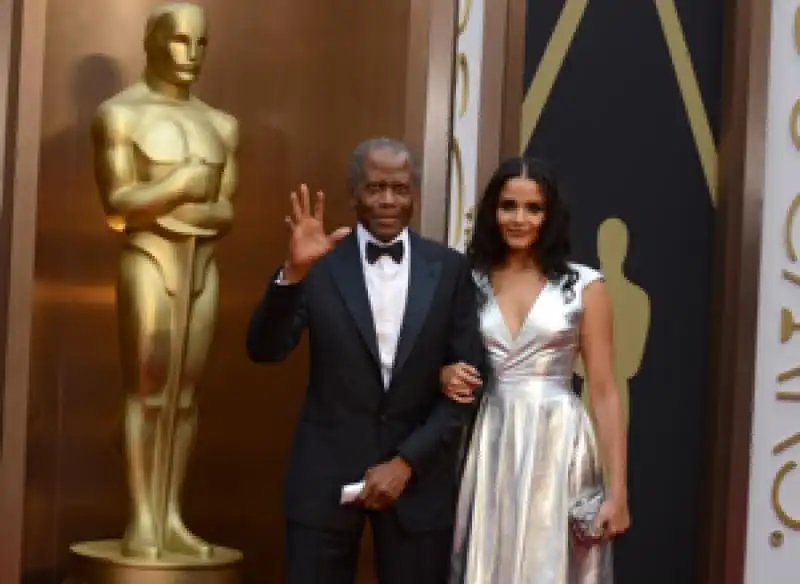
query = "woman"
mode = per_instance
[{"x": 533, "y": 462}]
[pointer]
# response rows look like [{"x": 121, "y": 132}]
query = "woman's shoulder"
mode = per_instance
[{"x": 585, "y": 275}]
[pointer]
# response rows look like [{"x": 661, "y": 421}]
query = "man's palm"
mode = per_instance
[{"x": 309, "y": 241}]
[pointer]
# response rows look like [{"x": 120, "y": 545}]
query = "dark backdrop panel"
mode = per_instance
[
  {"x": 307, "y": 80},
  {"x": 616, "y": 129}
]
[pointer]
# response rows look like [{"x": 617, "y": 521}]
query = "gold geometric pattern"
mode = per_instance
[
  {"x": 553, "y": 59},
  {"x": 459, "y": 226}
]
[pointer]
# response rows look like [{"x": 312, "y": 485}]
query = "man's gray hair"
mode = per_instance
[{"x": 355, "y": 168}]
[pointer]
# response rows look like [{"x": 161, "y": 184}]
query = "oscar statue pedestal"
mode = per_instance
[{"x": 100, "y": 562}]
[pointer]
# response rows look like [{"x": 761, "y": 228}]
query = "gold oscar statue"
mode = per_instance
[
  {"x": 631, "y": 310},
  {"x": 166, "y": 171}
]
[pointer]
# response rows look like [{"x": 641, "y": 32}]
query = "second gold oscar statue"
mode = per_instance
[{"x": 166, "y": 171}]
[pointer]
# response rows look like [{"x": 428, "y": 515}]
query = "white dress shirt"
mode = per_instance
[{"x": 387, "y": 289}]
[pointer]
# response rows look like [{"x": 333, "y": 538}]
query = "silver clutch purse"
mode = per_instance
[{"x": 583, "y": 514}]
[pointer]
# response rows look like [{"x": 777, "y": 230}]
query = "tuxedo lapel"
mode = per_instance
[
  {"x": 348, "y": 273},
  {"x": 422, "y": 282}
]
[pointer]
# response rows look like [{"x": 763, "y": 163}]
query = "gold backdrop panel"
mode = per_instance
[{"x": 307, "y": 81}]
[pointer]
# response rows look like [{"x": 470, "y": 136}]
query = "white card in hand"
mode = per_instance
[{"x": 351, "y": 492}]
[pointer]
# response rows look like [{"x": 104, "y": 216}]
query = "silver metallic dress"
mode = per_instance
[{"x": 531, "y": 454}]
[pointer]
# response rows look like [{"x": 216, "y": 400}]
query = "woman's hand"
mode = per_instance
[
  {"x": 613, "y": 517},
  {"x": 459, "y": 382}
]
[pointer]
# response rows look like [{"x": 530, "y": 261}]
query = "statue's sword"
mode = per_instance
[{"x": 167, "y": 427}]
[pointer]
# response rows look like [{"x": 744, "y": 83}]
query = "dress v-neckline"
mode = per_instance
[{"x": 514, "y": 338}]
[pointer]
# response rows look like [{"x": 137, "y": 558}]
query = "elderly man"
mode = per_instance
[{"x": 385, "y": 309}]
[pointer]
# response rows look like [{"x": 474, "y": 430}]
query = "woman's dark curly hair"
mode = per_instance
[{"x": 487, "y": 250}]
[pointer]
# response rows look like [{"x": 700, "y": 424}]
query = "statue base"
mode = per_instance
[{"x": 101, "y": 562}]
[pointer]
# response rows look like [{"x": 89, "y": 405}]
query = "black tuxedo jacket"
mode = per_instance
[{"x": 349, "y": 421}]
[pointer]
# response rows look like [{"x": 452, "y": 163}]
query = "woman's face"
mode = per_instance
[{"x": 520, "y": 213}]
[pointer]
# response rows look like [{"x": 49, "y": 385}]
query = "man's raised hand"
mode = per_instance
[{"x": 308, "y": 242}]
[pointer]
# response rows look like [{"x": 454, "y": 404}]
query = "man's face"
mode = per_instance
[
  {"x": 178, "y": 45},
  {"x": 384, "y": 201}
]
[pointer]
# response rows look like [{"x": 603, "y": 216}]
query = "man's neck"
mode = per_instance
[{"x": 365, "y": 235}]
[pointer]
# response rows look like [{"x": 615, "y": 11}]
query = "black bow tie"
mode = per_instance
[{"x": 394, "y": 251}]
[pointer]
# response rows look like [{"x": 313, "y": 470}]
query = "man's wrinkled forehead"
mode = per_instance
[{"x": 386, "y": 161}]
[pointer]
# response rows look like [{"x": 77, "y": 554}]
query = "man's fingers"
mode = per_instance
[
  {"x": 340, "y": 234},
  {"x": 374, "y": 497},
  {"x": 385, "y": 495},
  {"x": 368, "y": 489},
  {"x": 319, "y": 207},
  {"x": 306, "y": 200},
  {"x": 297, "y": 212}
]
